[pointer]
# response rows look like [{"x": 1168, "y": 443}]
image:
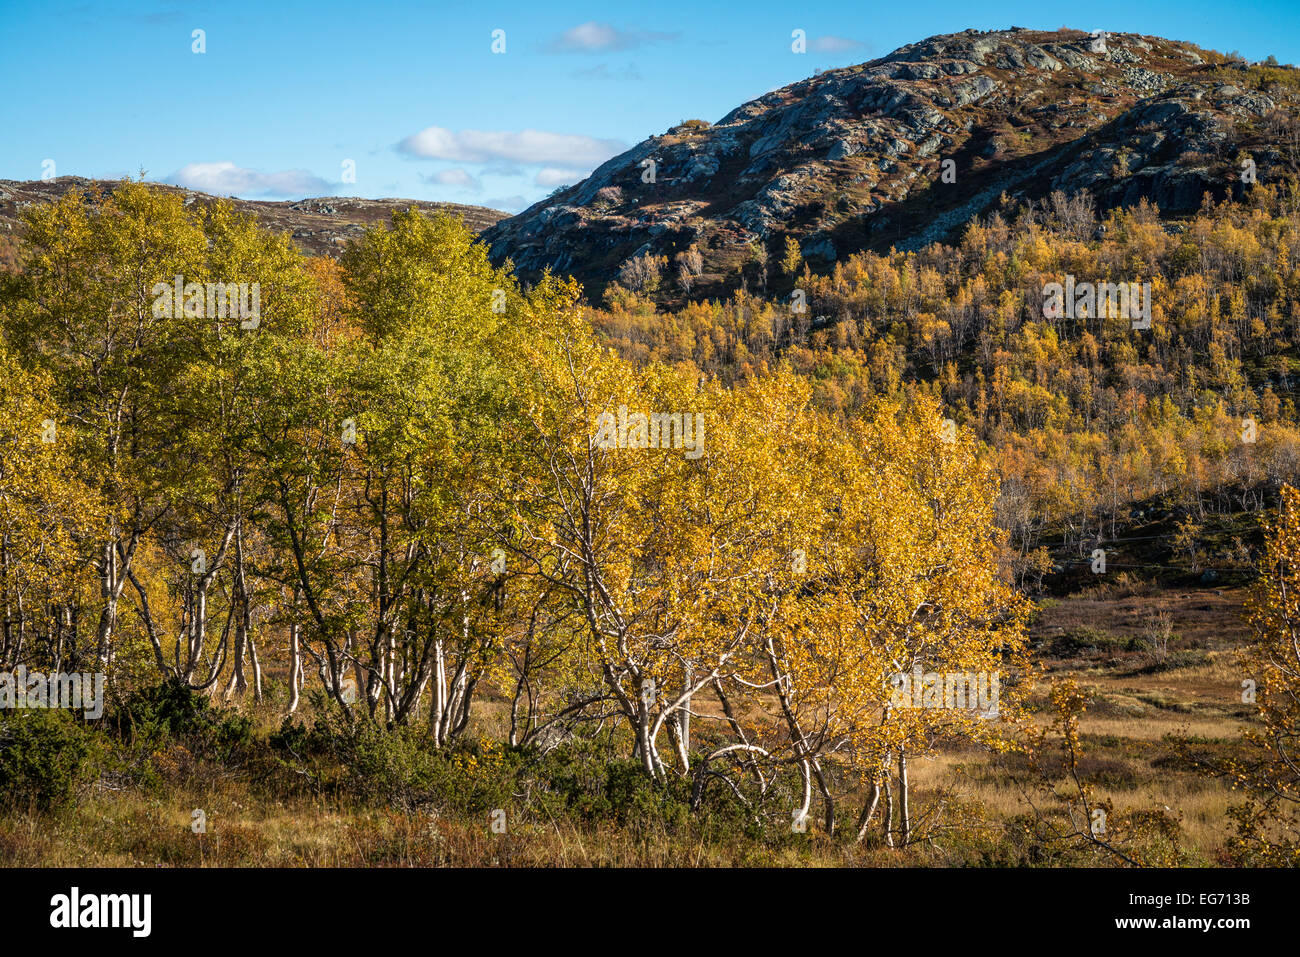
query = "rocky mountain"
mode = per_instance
[
  {"x": 856, "y": 158},
  {"x": 318, "y": 226}
]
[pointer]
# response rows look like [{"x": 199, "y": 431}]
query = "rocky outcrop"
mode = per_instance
[{"x": 854, "y": 158}]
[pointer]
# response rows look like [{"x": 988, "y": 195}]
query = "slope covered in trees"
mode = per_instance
[
  {"x": 385, "y": 483},
  {"x": 756, "y": 564},
  {"x": 1088, "y": 414}
]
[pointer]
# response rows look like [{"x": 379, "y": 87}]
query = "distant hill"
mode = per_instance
[
  {"x": 853, "y": 158},
  {"x": 318, "y": 226}
]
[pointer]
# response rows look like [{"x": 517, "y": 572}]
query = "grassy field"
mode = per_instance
[
  {"x": 1161, "y": 668},
  {"x": 1159, "y": 664}
]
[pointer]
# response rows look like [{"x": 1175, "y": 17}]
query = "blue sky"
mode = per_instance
[{"x": 288, "y": 92}]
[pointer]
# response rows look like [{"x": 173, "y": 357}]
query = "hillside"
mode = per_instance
[
  {"x": 319, "y": 226},
  {"x": 811, "y": 531},
  {"x": 852, "y": 158}
]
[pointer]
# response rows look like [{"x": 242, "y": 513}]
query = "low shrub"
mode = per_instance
[
  {"x": 47, "y": 759},
  {"x": 154, "y": 717}
]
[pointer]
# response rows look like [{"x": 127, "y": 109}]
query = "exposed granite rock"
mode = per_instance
[{"x": 851, "y": 158}]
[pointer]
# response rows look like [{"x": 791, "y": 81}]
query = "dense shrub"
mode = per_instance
[
  {"x": 1083, "y": 640},
  {"x": 395, "y": 766},
  {"x": 47, "y": 758},
  {"x": 155, "y": 715},
  {"x": 596, "y": 786}
]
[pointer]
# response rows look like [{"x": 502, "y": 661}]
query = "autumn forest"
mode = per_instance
[{"x": 445, "y": 553}]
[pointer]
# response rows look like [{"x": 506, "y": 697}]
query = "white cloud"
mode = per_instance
[
  {"x": 593, "y": 37},
  {"x": 509, "y": 204},
  {"x": 454, "y": 177},
  {"x": 227, "y": 179},
  {"x": 834, "y": 44},
  {"x": 556, "y": 176},
  {"x": 529, "y": 147}
]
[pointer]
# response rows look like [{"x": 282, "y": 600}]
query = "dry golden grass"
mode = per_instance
[
  {"x": 122, "y": 830},
  {"x": 1131, "y": 757}
]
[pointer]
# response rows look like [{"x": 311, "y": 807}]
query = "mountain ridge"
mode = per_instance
[
  {"x": 853, "y": 158},
  {"x": 319, "y": 225}
]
